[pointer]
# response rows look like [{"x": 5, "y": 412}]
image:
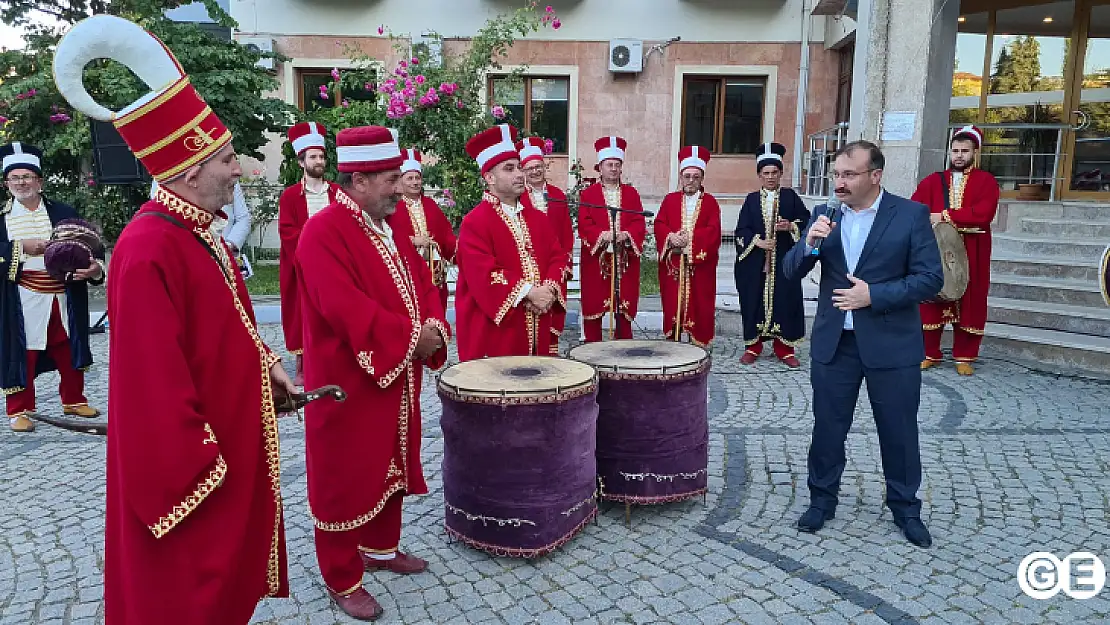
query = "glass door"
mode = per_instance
[{"x": 1088, "y": 165}]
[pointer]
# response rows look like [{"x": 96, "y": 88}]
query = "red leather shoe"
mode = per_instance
[
  {"x": 402, "y": 564},
  {"x": 748, "y": 358},
  {"x": 791, "y": 361},
  {"x": 360, "y": 605}
]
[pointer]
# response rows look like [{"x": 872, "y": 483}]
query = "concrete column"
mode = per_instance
[{"x": 905, "y": 55}]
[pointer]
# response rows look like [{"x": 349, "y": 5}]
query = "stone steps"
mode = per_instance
[
  {"x": 1065, "y": 352},
  {"x": 1086, "y": 211},
  {"x": 1089, "y": 250},
  {"x": 1079, "y": 228},
  {"x": 1047, "y": 290},
  {"x": 1003, "y": 263},
  {"x": 1061, "y": 317}
]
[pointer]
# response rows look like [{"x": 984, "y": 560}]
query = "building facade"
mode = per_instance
[{"x": 723, "y": 74}]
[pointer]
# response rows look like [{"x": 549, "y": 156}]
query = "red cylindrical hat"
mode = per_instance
[
  {"x": 692, "y": 156},
  {"x": 970, "y": 132},
  {"x": 367, "y": 149},
  {"x": 530, "y": 149},
  {"x": 610, "y": 147},
  {"x": 413, "y": 160},
  {"x": 307, "y": 135},
  {"x": 493, "y": 146}
]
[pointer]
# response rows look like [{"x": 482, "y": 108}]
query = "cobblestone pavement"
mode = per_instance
[{"x": 1015, "y": 461}]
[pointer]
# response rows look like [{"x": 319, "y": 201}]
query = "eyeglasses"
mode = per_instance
[
  {"x": 850, "y": 175},
  {"x": 21, "y": 179}
]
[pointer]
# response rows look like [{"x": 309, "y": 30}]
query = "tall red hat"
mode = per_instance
[
  {"x": 367, "y": 149},
  {"x": 171, "y": 128},
  {"x": 693, "y": 156},
  {"x": 530, "y": 149},
  {"x": 970, "y": 132},
  {"x": 610, "y": 147},
  {"x": 413, "y": 160},
  {"x": 493, "y": 146},
  {"x": 307, "y": 135}
]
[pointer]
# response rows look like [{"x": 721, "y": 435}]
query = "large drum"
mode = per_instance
[
  {"x": 1104, "y": 275},
  {"x": 519, "y": 435},
  {"x": 953, "y": 260},
  {"x": 653, "y": 424}
]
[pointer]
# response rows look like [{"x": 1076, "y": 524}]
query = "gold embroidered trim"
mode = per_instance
[
  {"x": 204, "y": 154},
  {"x": 357, "y": 522},
  {"x": 498, "y": 277},
  {"x": 269, "y": 415},
  {"x": 211, "y": 436},
  {"x": 183, "y": 207},
  {"x": 402, "y": 279},
  {"x": 364, "y": 361},
  {"x": 932, "y": 326},
  {"x": 350, "y": 591},
  {"x": 393, "y": 470},
  {"x": 508, "y": 303},
  {"x": 153, "y": 104},
  {"x": 444, "y": 331},
  {"x": 956, "y": 191},
  {"x": 978, "y": 331},
  {"x": 296, "y": 352},
  {"x": 795, "y": 231},
  {"x": 17, "y": 259},
  {"x": 175, "y": 135},
  {"x": 214, "y": 478},
  {"x": 558, "y": 292},
  {"x": 747, "y": 250},
  {"x": 13, "y": 390},
  {"x": 379, "y": 552}
]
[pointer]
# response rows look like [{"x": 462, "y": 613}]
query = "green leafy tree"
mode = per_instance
[
  {"x": 433, "y": 101},
  {"x": 32, "y": 110}
]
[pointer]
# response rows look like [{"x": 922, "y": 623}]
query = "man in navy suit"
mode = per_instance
[{"x": 879, "y": 263}]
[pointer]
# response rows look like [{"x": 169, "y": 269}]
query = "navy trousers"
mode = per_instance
[{"x": 895, "y": 395}]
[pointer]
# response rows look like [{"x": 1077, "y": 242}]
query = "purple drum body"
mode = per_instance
[
  {"x": 519, "y": 437},
  {"x": 653, "y": 422}
]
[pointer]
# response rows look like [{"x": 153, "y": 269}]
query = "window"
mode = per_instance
[
  {"x": 537, "y": 105},
  {"x": 309, "y": 81},
  {"x": 846, "y": 60},
  {"x": 723, "y": 114}
]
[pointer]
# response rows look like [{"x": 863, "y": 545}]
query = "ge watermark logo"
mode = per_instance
[{"x": 1081, "y": 575}]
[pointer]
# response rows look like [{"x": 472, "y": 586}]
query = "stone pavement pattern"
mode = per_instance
[{"x": 1015, "y": 461}]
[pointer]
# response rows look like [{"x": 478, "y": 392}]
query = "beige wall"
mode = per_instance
[{"x": 644, "y": 108}]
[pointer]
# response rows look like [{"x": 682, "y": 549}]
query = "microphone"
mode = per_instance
[{"x": 831, "y": 206}]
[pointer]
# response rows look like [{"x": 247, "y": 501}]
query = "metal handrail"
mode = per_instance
[{"x": 1051, "y": 178}]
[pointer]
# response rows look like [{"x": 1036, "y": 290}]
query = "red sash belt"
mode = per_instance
[{"x": 41, "y": 282}]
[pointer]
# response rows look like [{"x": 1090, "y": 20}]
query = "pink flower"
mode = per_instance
[
  {"x": 459, "y": 103},
  {"x": 32, "y": 92},
  {"x": 548, "y": 146},
  {"x": 381, "y": 29},
  {"x": 369, "y": 86},
  {"x": 335, "y": 73},
  {"x": 420, "y": 80},
  {"x": 391, "y": 114},
  {"x": 323, "y": 95},
  {"x": 257, "y": 172},
  {"x": 91, "y": 182},
  {"x": 345, "y": 103},
  {"x": 59, "y": 118},
  {"x": 408, "y": 83},
  {"x": 549, "y": 9},
  {"x": 498, "y": 112},
  {"x": 3, "y": 120},
  {"x": 556, "y": 24},
  {"x": 415, "y": 61},
  {"x": 448, "y": 193},
  {"x": 403, "y": 64}
]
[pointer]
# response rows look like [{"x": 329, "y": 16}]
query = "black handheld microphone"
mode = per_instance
[{"x": 831, "y": 206}]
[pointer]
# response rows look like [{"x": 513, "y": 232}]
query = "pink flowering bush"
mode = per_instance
[{"x": 432, "y": 102}]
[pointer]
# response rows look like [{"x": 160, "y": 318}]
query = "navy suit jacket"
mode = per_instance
[{"x": 901, "y": 265}]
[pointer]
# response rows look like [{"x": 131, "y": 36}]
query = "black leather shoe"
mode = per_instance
[
  {"x": 814, "y": 519},
  {"x": 915, "y": 531}
]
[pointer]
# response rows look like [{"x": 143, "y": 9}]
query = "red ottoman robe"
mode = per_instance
[
  {"x": 363, "y": 309},
  {"x": 431, "y": 222},
  {"x": 699, "y": 296},
  {"x": 972, "y": 207},
  {"x": 494, "y": 265},
  {"x": 292, "y": 216},
  {"x": 194, "y": 530},
  {"x": 561, "y": 228},
  {"x": 595, "y": 268}
]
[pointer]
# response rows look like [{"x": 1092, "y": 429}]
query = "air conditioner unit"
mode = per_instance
[
  {"x": 434, "y": 45},
  {"x": 261, "y": 44},
  {"x": 626, "y": 55}
]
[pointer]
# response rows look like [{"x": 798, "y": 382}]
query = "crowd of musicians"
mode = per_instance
[{"x": 195, "y": 528}]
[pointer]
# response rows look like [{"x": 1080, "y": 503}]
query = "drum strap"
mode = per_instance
[{"x": 947, "y": 193}]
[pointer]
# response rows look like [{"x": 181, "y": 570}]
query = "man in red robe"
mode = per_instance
[
  {"x": 193, "y": 528},
  {"x": 967, "y": 198},
  {"x": 419, "y": 219},
  {"x": 688, "y": 233},
  {"x": 372, "y": 321},
  {"x": 596, "y": 233},
  {"x": 297, "y": 204},
  {"x": 549, "y": 199},
  {"x": 509, "y": 265}
]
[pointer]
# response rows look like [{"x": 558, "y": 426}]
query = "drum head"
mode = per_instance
[
  {"x": 1104, "y": 276},
  {"x": 642, "y": 357},
  {"x": 516, "y": 376},
  {"x": 953, "y": 260}
]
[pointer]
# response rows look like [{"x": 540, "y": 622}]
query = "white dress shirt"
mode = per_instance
[{"x": 854, "y": 228}]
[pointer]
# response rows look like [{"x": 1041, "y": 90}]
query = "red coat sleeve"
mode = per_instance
[
  {"x": 440, "y": 228},
  {"x": 549, "y": 255},
  {"x": 706, "y": 239},
  {"x": 431, "y": 309},
  {"x": 927, "y": 192},
  {"x": 633, "y": 223},
  {"x": 980, "y": 202},
  {"x": 494, "y": 284},
  {"x": 591, "y": 221},
  {"x": 382, "y": 341},
  {"x": 565, "y": 228},
  {"x": 665, "y": 223},
  {"x": 172, "y": 460}
]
